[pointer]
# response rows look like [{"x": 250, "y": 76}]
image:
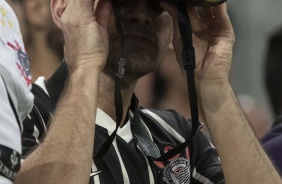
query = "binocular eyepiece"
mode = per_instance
[
  {"x": 195, "y": 2},
  {"x": 200, "y": 3}
]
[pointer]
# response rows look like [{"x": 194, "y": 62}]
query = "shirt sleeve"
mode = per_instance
[
  {"x": 10, "y": 138},
  {"x": 207, "y": 168},
  {"x": 35, "y": 125},
  {"x": 273, "y": 149},
  {"x": 33, "y": 132}
]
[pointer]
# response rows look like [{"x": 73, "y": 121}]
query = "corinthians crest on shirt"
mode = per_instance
[
  {"x": 177, "y": 169},
  {"x": 22, "y": 62}
]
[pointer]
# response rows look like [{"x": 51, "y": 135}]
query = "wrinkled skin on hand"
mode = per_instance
[
  {"x": 213, "y": 39},
  {"x": 84, "y": 24}
]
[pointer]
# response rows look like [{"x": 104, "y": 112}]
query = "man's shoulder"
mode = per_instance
[
  {"x": 275, "y": 132},
  {"x": 42, "y": 108},
  {"x": 167, "y": 119},
  {"x": 41, "y": 94},
  {"x": 169, "y": 115},
  {"x": 38, "y": 87},
  {"x": 35, "y": 125},
  {"x": 272, "y": 144}
]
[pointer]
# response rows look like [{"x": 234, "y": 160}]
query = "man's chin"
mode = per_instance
[
  {"x": 140, "y": 46},
  {"x": 140, "y": 65},
  {"x": 142, "y": 58}
]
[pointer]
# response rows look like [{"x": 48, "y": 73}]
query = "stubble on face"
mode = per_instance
[{"x": 145, "y": 46}]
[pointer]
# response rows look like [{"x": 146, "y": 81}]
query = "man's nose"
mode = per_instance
[{"x": 140, "y": 11}]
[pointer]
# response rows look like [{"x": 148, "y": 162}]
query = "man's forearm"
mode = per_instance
[
  {"x": 243, "y": 159},
  {"x": 65, "y": 155}
]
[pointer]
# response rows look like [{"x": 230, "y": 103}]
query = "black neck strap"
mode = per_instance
[
  {"x": 118, "y": 96},
  {"x": 188, "y": 56}
]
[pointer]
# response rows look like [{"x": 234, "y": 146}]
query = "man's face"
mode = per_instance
[{"x": 147, "y": 32}]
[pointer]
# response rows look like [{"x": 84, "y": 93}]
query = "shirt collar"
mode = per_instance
[
  {"x": 55, "y": 84},
  {"x": 105, "y": 121},
  {"x": 54, "y": 88}
]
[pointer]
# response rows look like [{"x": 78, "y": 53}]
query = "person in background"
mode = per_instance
[
  {"x": 258, "y": 115},
  {"x": 42, "y": 38},
  {"x": 44, "y": 41},
  {"x": 15, "y": 97},
  {"x": 18, "y": 8},
  {"x": 272, "y": 142}
]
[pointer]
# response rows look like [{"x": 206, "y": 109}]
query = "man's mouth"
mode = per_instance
[{"x": 139, "y": 39}]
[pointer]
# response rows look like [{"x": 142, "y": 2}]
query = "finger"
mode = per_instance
[
  {"x": 103, "y": 11},
  {"x": 79, "y": 6},
  {"x": 200, "y": 12},
  {"x": 220, "y": 11},
  {"x": 193, "y": 12},
  {"x": 73, "y": 6},
  {"x": 69, "y": 6},
  {"x": 86, "y": 4},
  {"x": 172, "y": 10},
  {"x": 208, "y": 12}
]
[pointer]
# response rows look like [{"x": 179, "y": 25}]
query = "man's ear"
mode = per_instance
[{"x": 57, "y": 8}]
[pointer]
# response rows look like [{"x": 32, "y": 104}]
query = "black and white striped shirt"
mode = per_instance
[{"x": 125, "y": 162}]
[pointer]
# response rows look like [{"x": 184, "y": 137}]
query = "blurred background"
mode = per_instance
[{"x": 253, "y": 21}]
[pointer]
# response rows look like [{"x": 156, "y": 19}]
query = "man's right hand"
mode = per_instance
[
  {"x": 84, "y": 24},
  {"x": 71, "y": 130}
]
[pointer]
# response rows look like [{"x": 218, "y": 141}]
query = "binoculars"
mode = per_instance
[
  {"x": 195, "y": 2},
  {"x": 186, "y": 2}
]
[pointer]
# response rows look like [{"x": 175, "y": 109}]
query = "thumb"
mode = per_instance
[{"x": 102, "y": 12}]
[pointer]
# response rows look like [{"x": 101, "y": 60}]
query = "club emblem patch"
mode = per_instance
[
  {"x": 177, "y": 171},
  {"x": 21, "y": 58}
]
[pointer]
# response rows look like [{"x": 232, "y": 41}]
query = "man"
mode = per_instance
[
  {"x": 84, "y": 115},
  {"x": 272, "y": 142},
  {"x": 15, "y": 97}
]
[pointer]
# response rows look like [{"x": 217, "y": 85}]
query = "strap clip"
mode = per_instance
[
  {"x": 121, "y": 68},
  {"x": 188, "y": 56}
]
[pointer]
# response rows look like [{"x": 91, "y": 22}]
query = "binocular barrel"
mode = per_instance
[
  {"x": 187, "y": 2},
  {"x": 197, "y": 2}
]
